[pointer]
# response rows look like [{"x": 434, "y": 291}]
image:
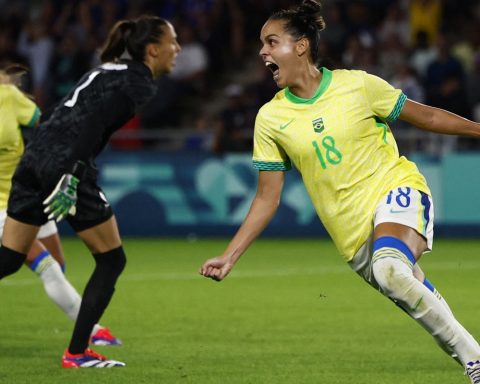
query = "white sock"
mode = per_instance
[
  {"x": 395, "y": 278},
  {"x": 447, "y": 307},
  {"x": 57, "y": 287}
]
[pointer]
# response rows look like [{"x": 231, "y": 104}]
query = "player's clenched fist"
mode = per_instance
[{"x": 216, "y": 268}]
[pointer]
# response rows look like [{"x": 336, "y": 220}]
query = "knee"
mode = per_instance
[
  {"x": 119, "y": 261},
  {"x": 112, "y": 262},
  {"x": 394, "y": 278},
  {"x": 418, "y": 273},
  {"x": 10, "y": 261}
]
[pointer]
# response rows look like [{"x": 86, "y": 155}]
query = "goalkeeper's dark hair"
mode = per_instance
[
  {"x": 304, "y": 21},
  {"x": 131, "y": 37}
]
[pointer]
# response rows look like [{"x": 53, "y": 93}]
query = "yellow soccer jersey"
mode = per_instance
[
  {"x": 340, "y": 142},
  {"x": 16, "y": 109}
]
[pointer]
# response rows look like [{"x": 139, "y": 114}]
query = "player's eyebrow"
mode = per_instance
[{"x": 268, "y": 36}]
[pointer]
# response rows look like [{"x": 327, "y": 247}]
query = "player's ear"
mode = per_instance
[
  {"x": 302, "y": 46},
  {"x": 152, "y": 50}
]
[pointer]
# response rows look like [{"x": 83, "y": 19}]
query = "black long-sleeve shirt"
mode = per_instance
[{"x": 82, "y": 123}]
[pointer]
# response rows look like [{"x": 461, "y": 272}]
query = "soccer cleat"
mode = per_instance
[
  {"x": 88, "y": 359},
  {"x": 473, "y": 371},
  {"x": 104, "y": 337}
]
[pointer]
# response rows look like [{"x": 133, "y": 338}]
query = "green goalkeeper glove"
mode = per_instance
[{"x": 62, "y": 200}]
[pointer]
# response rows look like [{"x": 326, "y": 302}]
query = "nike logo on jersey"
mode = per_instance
[{"x": 283, "y": 126}]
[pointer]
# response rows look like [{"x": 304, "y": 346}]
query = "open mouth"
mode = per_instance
[{"x": 274, "y": 68}]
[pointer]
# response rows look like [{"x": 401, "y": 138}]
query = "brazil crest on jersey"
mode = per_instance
[
  {"x": 340, "y": 142},
  {"x": 16, "y": 109}
]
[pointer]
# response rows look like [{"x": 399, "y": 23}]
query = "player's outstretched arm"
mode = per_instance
[
  {"x": 264, "y": 206},
  {"x": 438, "y": 120}
]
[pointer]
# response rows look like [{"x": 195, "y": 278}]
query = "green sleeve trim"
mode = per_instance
[
  {"x": 272, "y": 166},
  {"x": 398, "y": 108},
  {"x": 33, "y": 120}
]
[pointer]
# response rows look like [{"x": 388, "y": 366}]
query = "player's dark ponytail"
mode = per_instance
[
  {"x": 131, "y": 37},
  {"x": 304, "y": 20}
]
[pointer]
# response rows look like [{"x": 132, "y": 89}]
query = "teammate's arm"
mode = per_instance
[
  {"x": 264, "y": 206},
  {"x": 438, "y": 120}
]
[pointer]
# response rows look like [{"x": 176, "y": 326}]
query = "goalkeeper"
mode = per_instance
[
  {"x": 46, "y": 257},
  {"x": 57, "y": 176}
]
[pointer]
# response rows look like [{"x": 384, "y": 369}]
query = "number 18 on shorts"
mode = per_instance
[{"x": 410, "y": 207}]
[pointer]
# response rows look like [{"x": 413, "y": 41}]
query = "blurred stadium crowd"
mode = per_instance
[{"x": 428, "y": 48}]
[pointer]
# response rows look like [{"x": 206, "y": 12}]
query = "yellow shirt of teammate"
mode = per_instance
[
  {"x": 15, "y": 109},
  {"x": 344, "y": 150}
]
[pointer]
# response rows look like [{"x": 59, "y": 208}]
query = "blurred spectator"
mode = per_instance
[
  {"x": 445, "y": 89},
  {"x": 192, "y": 62},
  {"x": 444, "y": 82},
  {"x": 422, "y": 54},
  {"x": 95, "y": 16},
  {"x": 221, "y": 31},
  {"x": 353, "y": 52},
  {"x": 425, "y": 16},
  {"x": 473, "y": 87},
  {"x": 463, "y": 48},
  {"x": 406, "y": 79},
  {"x": 37, "y": 46},
  {"x": 395, "y": 24},
  {"x": 358, "y": 16},
  {"x": 336, "y": 33},
  {"x": 262, "y": 88},
  {"x": 69, "y": 63},
  {"x": 361, "y": 54},
  {"x": 58, "y": 40},
  {"x": 235, "y": 130},
  {"x": 369, "y": 61},
  {"x": 392, "y": 56},
  {"x": 236, "y": 30},
  {"x": 8, "y": 51}
]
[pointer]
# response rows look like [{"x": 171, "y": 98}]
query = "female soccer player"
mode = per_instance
[
  {"x": 376, "y": 206},
  {"x": 45, "y": 257},
  {"x": 57, "y": 176}
]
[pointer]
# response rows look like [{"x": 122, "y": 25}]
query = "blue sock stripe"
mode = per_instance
[
  {"x": 391, "y": 253},
  {"x": 38, "y": 260},
  {"x": 429, "y": 285},
  {"x": 393, "y": 242},
  {"x": 426, "y": 213},
  {"x": 62, "y": 267}
]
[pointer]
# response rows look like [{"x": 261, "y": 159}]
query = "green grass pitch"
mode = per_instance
[{"x": 291, "y": 312}]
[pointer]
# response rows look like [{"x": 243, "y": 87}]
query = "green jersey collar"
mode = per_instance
[{"x": 324, "y": 83}]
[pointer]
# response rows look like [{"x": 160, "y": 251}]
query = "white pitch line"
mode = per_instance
[
  {"x": 249, "y": 274},
  {"x": 140, "y": 277}
]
